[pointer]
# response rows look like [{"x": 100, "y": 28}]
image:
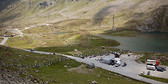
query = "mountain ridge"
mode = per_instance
[{"x": 148, "y": 15}]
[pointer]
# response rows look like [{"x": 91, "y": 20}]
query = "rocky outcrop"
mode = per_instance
[
  {"x": 160, "y": 18},
  {"x": 12, "y": 77},
  {"x": 158, "y": 21}
]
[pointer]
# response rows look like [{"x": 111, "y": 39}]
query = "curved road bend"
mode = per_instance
[{"x": 105, "y": 66}]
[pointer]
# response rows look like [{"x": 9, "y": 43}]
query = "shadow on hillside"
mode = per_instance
[
  {"x": 5, "y": 3},
  {"x": 160, "y": 16},
  {"x": 99, "y": 16},
  {"x": 9, "y": 18}
]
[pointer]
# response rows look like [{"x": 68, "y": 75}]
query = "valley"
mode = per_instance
[{"x": 53, "y": 41}]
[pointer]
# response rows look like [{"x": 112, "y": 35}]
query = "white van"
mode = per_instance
[
  {"x": 151, "y": 64},
  {"x": 117, "y": 61}
]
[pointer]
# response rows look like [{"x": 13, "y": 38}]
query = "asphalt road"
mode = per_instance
[
  {"x": 130, "y": 72},
  {"x": 4, "y": 40}
]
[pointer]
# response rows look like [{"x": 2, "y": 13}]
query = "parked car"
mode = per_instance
[
  {"x": 163, "y": 67},
  {"x": 151, "y": 67},
  {"x": 125, "y": 64},
  {"x": 117, "y": 65},
  {"x": 159, "y": 69},
  {"x": 83, "y": 57}
]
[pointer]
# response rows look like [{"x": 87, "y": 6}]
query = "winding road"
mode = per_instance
[{"x": 119, "y": 70}]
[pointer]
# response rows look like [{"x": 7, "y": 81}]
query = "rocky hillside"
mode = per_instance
[{"x": 144, "y": 15}]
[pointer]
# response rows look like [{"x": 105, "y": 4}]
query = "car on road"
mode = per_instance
[
  {"x": 31, "y": 50},
  {"x": 55, "y": 53}
]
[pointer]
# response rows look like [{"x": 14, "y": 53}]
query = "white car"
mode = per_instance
[{"x": 150, "y": 67}]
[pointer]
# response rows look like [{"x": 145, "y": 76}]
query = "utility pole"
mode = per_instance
[
  {"x": 49, "y": 17},
  {"x": 113, "y": 20},
  {"x": 29, "y": 3},
  {"x": 11, "y": 24}
]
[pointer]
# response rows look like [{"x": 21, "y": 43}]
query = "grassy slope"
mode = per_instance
[
  {"x": 57, "y": 73},
  {"x": 123, "y": 33},
  {"x": 22, "y": 57},
  {"x": 1, "y": 39},
  {"x": 60, "y": 37},
  {"x": 27, "y": 15},
  {"x": 61, "y": 42},
  {"x": 62, "y": 76},
  {"x": 30, "y": 14}
]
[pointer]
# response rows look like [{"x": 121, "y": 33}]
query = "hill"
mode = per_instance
[{"x": 148, "y": 15}]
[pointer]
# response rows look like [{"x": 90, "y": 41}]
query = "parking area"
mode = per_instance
[{"x": 134, "y": 67}]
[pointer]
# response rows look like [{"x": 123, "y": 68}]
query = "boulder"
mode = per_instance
[
  {"x": 90, "y": 66},
  {"x": 94, "y": 82},
  {"x": 65, "y": 66}
]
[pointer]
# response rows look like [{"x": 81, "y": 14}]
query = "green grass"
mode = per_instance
[
  {"x": 83, "y": 43},
  {"x": 23, "y": 57},
  {"x": 18, "y": 42},
  {"x": 123, "y": 33},
  {"x": 1, "y": 39},
  {"x": 162, "y": 57},
  {"x": 45, "y": 39},
  {"x": 38, "y": 30},
  {"x": 156, "y": 78},
  {"x": 57, "y": 73},
  {"x": 145, "y": 57}
]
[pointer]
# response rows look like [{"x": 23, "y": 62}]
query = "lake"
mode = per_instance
[{"x": 146, "y": 42}]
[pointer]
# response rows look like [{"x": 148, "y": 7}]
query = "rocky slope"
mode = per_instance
[
  {"x": 144, "y": 15},
  {"x": 158, "y": 20},
  {"x": 12, "y": 77}
]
